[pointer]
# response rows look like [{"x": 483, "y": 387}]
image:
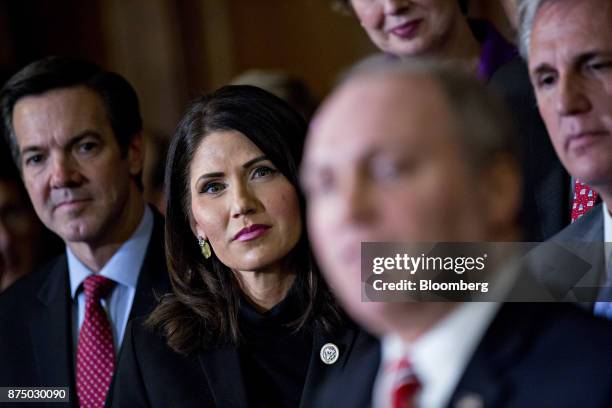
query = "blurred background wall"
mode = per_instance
[{"x": 172, "y": 50}]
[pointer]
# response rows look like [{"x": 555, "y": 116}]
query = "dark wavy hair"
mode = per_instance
[{"x": 202, "y": 311}]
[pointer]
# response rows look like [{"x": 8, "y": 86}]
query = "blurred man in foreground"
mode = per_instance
[{"x": 426, "y": 155}]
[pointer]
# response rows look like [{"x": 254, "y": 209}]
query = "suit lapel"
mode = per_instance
[
  {"x": 590, "y": 225},
  {"x": 51, "y": 330},
  {"x": 348, "y": 382},
  {"x": 481, "y": 385},
  {"x": 318, "y": 371},
  {"x": 585, "y": 241},
  {"x": 222, "y": 370},
  {"x": 484, "y": 382},
  {"x": 153, "y": 279}
]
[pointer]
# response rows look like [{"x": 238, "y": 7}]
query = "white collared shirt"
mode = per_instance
[
  {"x": 607, "y": 239},
  {"x": 439, "y": 357},
  {"x": 123, "y": 268},
  {"x": 607, "y": 223}
]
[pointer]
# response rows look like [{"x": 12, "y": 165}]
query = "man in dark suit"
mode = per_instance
[
  {"x": 75, "y": 132},
  {"x": 568, "y": 45},
  {"x": 427, "y": 157}
]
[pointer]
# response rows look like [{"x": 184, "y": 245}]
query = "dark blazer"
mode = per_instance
[
  {"x": 572, "y": 263},
  {"x": 36, "y": 340},
  {"x": 150, "y": 374},
  {"x": 546, "y": 195},
  {"x": 532, "y": 355}
]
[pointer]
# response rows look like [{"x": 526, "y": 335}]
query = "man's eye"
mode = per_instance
[
  {"x": 263, "y": 171},
  {"x": 213, "y": 188},
  {"x": 385, "y": 168},
  {"x": 34, "y": 159},
  {"x": 319, "y": 185},
  {"x": 87, "y": 147},
  {"x": 599, "y": 65},
  {"x": 545, "y": 81}
]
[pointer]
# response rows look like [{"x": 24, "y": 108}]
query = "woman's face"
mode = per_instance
[
  {"x": 242, "y": 203},
  {"x": 407, "y": 27}
]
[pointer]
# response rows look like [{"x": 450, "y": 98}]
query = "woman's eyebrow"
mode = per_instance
[
  {"x": 210, "y": 175},
  {"x": 255, "y": 160},
  {"x": 221, "y": 174}
]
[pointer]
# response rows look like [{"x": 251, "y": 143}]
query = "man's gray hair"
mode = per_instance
[
  {"x": 527, "y": 9},
  {"x": 481, "y": 118}
]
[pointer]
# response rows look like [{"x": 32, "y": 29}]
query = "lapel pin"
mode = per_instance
[
  {"x": 329, "y": 353},
  {"x": 470, "y": 400}
]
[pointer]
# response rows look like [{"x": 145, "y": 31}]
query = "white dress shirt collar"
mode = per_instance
[
  {"x": 440, "y": 356},
  {"x": 124, "y": 266},
  {"x": 607, "y": 235},
  {"x": 607, "y": 224}
]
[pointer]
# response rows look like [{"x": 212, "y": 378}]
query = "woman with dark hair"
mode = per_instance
[{"x": 250, "y": 321}]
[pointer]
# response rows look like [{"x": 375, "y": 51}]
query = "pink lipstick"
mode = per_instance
[
  {"x": 252, "y": 232},
  {"x": 407, "y": 30}
]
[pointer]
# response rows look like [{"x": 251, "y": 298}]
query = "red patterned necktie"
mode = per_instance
[
  {"x": 405, "y": 385},
  {"x": 95, "y": 350},
  {"x": 584, "y": 199}
]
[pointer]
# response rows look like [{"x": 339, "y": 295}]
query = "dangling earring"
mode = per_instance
[{"x": 204, "y": 247}]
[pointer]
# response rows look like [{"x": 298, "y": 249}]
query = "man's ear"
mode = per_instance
[
  {"x": 136, "y": 154},
  {"x": 502, "y": 191}
]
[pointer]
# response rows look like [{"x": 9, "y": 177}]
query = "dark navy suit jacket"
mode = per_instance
[
  {"x": 36, "y": 346},
  {"x": 532, "y": 355},
  {"x": 572, "y": 263}
]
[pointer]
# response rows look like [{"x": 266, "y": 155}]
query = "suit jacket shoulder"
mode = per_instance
[{"x": 545, "y": 354}]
